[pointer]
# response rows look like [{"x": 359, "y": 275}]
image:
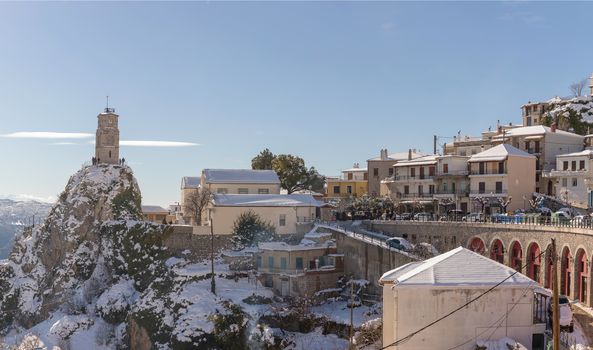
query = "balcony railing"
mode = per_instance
[
  {"x": 415, "y": 195},
  {"x": 488, "y": 192},
  {"x": 413, "y": 178},
  {"x": 487, "y": 172},
  {"x": 453, "y": 173},
  {"x": 558, "y": 173}
]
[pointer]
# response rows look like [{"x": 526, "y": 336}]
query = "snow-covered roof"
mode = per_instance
[
  {"x": 283, "y": 246},
  {"x": 400, "y": 156},
  {"x": 149, "y": 209},
  {"x": 190, "y": 182},
  {"x": 532, "y": 130},
  {"x": 427, "y": 160},
  {"x": 499, "y": 153},
  {"x": 266, "y": 200},
  {"x": 238, "y": 176},
  {"x": 586, "y": 152},
  {"x": 351, "y": 170},
  {"x": 460, "y": 267}
]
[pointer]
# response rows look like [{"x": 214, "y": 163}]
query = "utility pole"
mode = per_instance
[
  {"x": 434, "y": 144},
  {"x": 213, "y": 283},
  {"x": 351, "y": 314},
  {"x": 555, "y": 306}
]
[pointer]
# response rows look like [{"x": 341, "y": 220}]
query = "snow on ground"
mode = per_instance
[
  {"x": 339, "y": 312},
  {"x": 578, "y": 337},
  {"x": 315, "y": 341}
]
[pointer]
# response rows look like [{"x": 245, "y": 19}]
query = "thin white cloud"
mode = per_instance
[
  {"x": 157, "y": 144},
  {"x": 47, "y": 135},
  {"x": 65, "y": 143}
]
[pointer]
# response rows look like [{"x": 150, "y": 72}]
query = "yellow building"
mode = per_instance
[{"x": 353, "y": 183}]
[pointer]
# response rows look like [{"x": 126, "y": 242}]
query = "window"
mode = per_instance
[
  {"x": 283, "y": 263},
  {"x": 390, "y": 171},
  {"x": 222, "y": 190},
  {"x": 536, "y": 146},
  {"x": 445, "y": 168},
  {"x": 564, "y": 182},
  {"x": 376, "y": 172},
  {"x": 406, "y": 189},
  {"x": 481, "y": 169},
  {"x": 420, "y": 190},
  {"x": 431, "y": 171},
  {"x": 412, "y": 172},
  {"x": 581, "y": 165},
  {"x": 282, "y": 220},
  {"x": 259, "y": 261},
  {"x": 366, "y": 176},
  {"x": 462, "y": 153},
  {"x": 431, "y": 189},
  {"x": 501, "y": 167},
  {"x": 299, "y": 263},
  {"x": 573, "y": 165},
  {"x": 574, "y": 182},
  {"x": 498, "y": 186},
  {"x": 481, "y": 187},
  {"x": 349, "y": 189},
  {"x": 452, "y": 187},
  {"x": 270, "y": 262},
  {"x": 336, "y": 189},
  {"x": 445, "y": 187},
  {"x": 350, "y": 175},
  {"x": 263, "y": 191},
  {"x": 565, "y": 165},
  {"x": 243, "y": 191}
]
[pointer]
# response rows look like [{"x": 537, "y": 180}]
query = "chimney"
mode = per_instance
[
  {"x": 553, "y": 127},
  {"x": 355, "y": 166},
  {"x": 410, "y": 154}
]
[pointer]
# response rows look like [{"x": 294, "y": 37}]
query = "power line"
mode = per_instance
[{"x": 409, "y": 336}]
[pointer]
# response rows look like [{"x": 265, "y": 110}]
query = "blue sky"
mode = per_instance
[{"x": 332, "y": 82}]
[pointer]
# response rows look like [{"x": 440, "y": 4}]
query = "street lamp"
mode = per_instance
[{"x": 213, "y": 282}]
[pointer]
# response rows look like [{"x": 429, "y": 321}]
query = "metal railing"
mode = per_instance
[{"x": 488, "y": 172}]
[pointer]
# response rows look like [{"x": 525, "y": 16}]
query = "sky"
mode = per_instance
[{"x": 332, "y": 82}]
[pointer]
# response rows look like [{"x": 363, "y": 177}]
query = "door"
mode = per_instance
[
  {"x": 421, "y": 172},
  {"x": 284, "y": 288}
]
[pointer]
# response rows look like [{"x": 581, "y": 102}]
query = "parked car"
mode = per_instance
[
  {"x": 399, "y": 243},
  {"x": 473, "y": 217},
  {"x": 455, "y": 215},
  {"x": 423, "y": 217},
  {"x": 561, "y": 216},
  {"x": 581, "y": 220},
  {"x": 404, "y": 216},
  {"x": 566, "y": 320}
]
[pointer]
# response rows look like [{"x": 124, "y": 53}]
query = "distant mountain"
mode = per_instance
[{"x": 14, "y": 216}]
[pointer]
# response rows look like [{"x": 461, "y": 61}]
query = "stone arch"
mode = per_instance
[
  {"x": 497, "y": 250},
  {"x": 476, "y": 244},
  {"x": 566, "y": 262},
  {"x": 581, "y": 275},
  {"x": 534, "y": 261},
  {"x": 516, "y": 255}
]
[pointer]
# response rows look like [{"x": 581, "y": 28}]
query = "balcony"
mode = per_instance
[
  {"x": 489, "y": 193},
  {"x": 451, "y": 194},
  {"x": 533, "y": 150},
  {"x": 565, "y": 173},
  {"x": 487, "y": 172},
  {"x": 415, "y": 195},
  {"x": 453, "y": 173},
  {"x": 412, "y": 178}
]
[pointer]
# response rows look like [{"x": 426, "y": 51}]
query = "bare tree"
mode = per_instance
[
  {"x": 196, "y": 202},
  {"x": 578, "y": 87}
]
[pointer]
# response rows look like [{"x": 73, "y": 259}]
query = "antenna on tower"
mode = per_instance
[{"x": 107, "y": 109}]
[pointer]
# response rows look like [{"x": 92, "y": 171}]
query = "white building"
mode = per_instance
[
  {"x": 573, "y": 177},
  {"x": 419, "y": 293}
]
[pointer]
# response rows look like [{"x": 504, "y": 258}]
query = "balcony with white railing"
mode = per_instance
[{"x": 410, "y": 178}]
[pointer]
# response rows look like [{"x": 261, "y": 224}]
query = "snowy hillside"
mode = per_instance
[
  {"x": 14, "y": 215},
  {"x": 571, "y": 113}
]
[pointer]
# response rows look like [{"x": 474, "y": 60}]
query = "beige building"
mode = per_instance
[
  {"x": 157, "y": 214},
  {"x": 437, "y": 183},
  {"x": 289, "y": 213},
  {"x": 533, "y": 112},
  {"x": 352, "y": 184},
  {"x": 381, "y": 167},
  {"x": 420, "y": 292},
  {"x": 107, "y": 138},
  {"x": 573, "y": 178},
  {"x": 501, "y": 173},
  {"x": 240, "y": 181},
  {"x": 299, "y": 270},
  {"x": 189, "y": 185}
]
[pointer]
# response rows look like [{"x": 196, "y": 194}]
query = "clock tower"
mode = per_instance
[{"x": 107, "y": 141}]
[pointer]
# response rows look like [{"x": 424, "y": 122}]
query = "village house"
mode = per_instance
[
  {"x": 289, "y": 213},
  {"x": 501, "y": 174},
  {"x": 352, "y": 184},
  {"x": 420, "y": 292},
  {"x": 573, "y": 178},
  {"x": 157, "y": 214},
  {"x": 299, "y": 270},
  {"x": 381, "y": 167},
  {"x": 240, "y": 181}
]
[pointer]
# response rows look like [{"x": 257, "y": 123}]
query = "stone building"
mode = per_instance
[
  {"x": 381, "y": 167},
  {"x": 107, "y": 138}
]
